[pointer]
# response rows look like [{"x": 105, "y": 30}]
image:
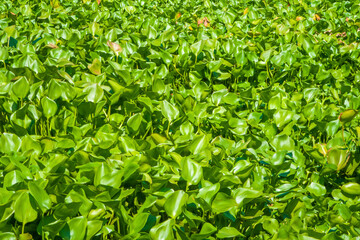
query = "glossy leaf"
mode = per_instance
[
  {"x": 49, "y": 107},
  {"x": 24, "y": 211},
  {"x": 228, "y": 232},
  {"x": 163, "y": 231},
  {"x": 169, "y": 111},
  {"x": 191, "y": 171},
  {"x": 174, "y": 204}
]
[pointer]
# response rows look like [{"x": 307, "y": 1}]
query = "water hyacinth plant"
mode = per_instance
[{"x": 187, "y": 120}]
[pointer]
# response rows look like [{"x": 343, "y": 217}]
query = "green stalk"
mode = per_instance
[
  {"x": 167, "y": 130},
  {"x": 144, "y": 136},
  {"x": 23, "y": 227},
  {"x": 109, "y": 112},
  {"x": 118, "y": 224},
  {"x": 42, "y": 127},
  {"x": 48, "y": 127}
]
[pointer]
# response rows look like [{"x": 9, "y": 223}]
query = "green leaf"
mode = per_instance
[
  {"x": 55, "y": 89},
  {"x": 348, "y": 115},
  {"x": 339, "y": 157},
  {"x": 191, "y": 171},
  {"x": 207, "y": 193},
  {"x": 283, "y": 142},
  {"x": 29, "y": 61},
  {"x": 206, "y": 230},
  {"x": 197, "y": 47},
  {"x": 169, "y": 111},
  {"x": 174, "y": 204},
  {"x": 352, "y": 188},
  {"x": 21, "y": 87},
  {"x": 12, "y": 178},
  {"x": 271, "y": 225},
  {"x": 9, "y": 143},
  {"x": 139, "y": 222},
  {"x": 7, "y": 236},
  {"x": 222, "y": 203},
  {"x": 199, "y": 144},
  {"x": 106, "y": 176},
  {"x": 163, "y": 231},
  {"x": 283, "y": 117},
  {"x": 92, "y": 228},
  {"x": 40, "y": 195},
  {"x": 266, "y": 55},
  {"x": 134, "y": 122},
  {"x": 77, "y": 227},
  {"x": 24, "y": 211},
  {"x": 4, "y": 54},
  {"x": 317, "y": 189},
  {"x": 332, "y": 127},
  {"x": 49, "y": 107},
  {"x": 94, "y": 93},
  {"x": 228, "y": 232}
]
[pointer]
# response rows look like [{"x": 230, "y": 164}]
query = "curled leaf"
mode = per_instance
[
  {"x": 352, "y": 188},
  {"x": 348, "y": 115},
  {"x": 116, "y": 48},
  {"x": 316, "y": 17},
  {"x": 51, "y": 45},
  {"x": 206, "y": 22}
]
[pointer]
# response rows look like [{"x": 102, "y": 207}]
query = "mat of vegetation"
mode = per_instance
[{"x": 179, "y": 119}]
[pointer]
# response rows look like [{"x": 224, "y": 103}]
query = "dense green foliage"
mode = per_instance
[{"x": 179, "y": 119}]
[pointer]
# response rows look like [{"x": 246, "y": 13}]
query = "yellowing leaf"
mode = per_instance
[
  {"x": 116, "y": 48},
  {"x": 51, "y": 45},
  {"x": 246, "y": 11},
  {"x": 25, "y": 236},
  {"x": 299, "y": 18},
  {"x": 206, "y": 22},
  {"x": 95, "y": 67},
  {"x": 55, "y": 3},
  {"x": 316, "y": 17}
]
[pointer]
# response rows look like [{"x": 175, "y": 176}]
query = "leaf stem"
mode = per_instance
[
  {"x": 109, "y": 112},
  {"x": 147, "y": 131},
  {"x": 177, "y": 70},
  {"x": 167, "y": 130},
  {"x": 118, "y": 224},
  {"x": 23, "y": 227},
  {"x": 35, "y": 129},
  {"x": 48, "y": 127}
]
